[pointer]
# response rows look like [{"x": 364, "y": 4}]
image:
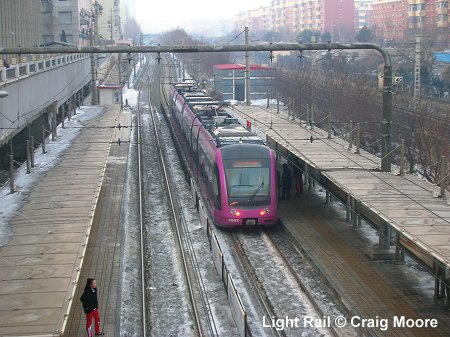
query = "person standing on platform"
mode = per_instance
[
  {"x": 298, "y": 177},
  {"x": 90, "y": 307},
  {"x": 286, "y": 182}
]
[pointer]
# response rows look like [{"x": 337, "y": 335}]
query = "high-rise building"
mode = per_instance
[
  {"x": 66, "y": 21},
  {"x": 362, "y": 12},
  {"x": 289, "y": 17},
  {"x": 20, "y": 23},
  {"x": 400, "y": 19}
]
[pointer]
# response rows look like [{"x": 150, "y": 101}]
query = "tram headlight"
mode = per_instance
[
  {"x": 235, "y": 212},
  {"x": 264, "y": 211}
]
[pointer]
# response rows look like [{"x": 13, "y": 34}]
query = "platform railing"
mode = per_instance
[{"x": 17, "y": 68}]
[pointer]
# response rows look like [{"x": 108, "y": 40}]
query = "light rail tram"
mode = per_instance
[{"x": 234, "y": 169}]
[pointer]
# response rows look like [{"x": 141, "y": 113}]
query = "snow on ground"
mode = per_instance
[
  {"x": 131, "y": 96},
  {"x": 11, "y": 203}
]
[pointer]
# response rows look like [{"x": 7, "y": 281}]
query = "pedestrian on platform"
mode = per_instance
[
  {"x": 286, "y": 181},
  {"x": 298, "y": 177},
  {"x": 90, "y": 307}
]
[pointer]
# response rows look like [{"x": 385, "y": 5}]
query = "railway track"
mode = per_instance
[
  {"x": 299, "y": 281},
  {"x": 155, "y": 152},
  {"x": 279, "y": 288},
  {"x": 141, "y": 211},
  {"x": 176, "y": 222},
  {"x": 256, "y": 284}
]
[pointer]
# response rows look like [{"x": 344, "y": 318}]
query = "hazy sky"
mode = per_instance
[{"x": 161, "y": 15}]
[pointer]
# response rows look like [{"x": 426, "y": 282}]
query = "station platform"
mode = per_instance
[
  {"x": 366, "y": 288},
  {"x": 41, "y": 265},
  {"x": 404, "y": 209},
  {"x": 103, "y": 255}
]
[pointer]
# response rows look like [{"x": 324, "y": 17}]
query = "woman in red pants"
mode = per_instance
[{"x": 90, "y": 307}]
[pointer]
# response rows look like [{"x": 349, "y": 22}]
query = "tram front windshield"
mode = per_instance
[{"x": 248, "y": 181}]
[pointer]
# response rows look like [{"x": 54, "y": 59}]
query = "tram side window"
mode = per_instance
[{"x": 216, "y": 187}]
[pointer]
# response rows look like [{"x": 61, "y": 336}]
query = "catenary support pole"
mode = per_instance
[{"x": 247, "y": 70}]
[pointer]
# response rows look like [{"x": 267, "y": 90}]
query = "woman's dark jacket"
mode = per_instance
[{"x": 89, "y": 299}]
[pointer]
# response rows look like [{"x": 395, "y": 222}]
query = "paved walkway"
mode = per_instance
[
  {"x": 40, "y": 266},
  {"x": 104, "y": 249}
]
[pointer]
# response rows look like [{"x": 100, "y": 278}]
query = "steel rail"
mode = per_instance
[
  {"x": 300, "y": 282},
  {"x": 177, "y": 224},
  {"x": 254, "y": 281},
  {"x": 141, "y": 215}
]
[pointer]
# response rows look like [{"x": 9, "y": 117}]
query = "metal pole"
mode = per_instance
[
  {"x": 417, "y": 72},
  {"x": 350, "y": 136},
  {"x": 293, "y": 109},
  {"x": 63, "y": 107},
  {"x": 93, "y": 75},
  {"x": 54, "y": 111},
  {"x": 158, "y": 82},
  {"x": 329, "y": 125},
  {"x": 443, "y": 175},
  {"x": 247, "y": 71},
  {"x": 348, "y": 208},
  {"x": 289, "y": 106},
  {"x": 358, "y": 137},
  {"x": 43, "y": 139},
  {"x": 78, "y": 102},
  {"x": 70, "y": 107},
  {"x": 278, "y": 104},
  {"x": 119, "y": 61},
  {"x": 28, "y": 156},
  {"x": 32, "y": 151},
  {"x": 11, "y": 173},
  {"x": 311, "y": 122},
  {"x": 387, "y": 119},
  {"x": 307, "y": 115},
  {"x": 402, "y": 158}
]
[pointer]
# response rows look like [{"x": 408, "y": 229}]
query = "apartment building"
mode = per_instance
[
  {"x": 389, "y": 19},
  {"x": 20, "y": 23},
  {"x": 256, "y": 19},
  {"x": 289, "y": 17},
  {"x": 401, "y": 19},
  {"x": 428, "y": 17},
  {"x": 362, "y": 13}
]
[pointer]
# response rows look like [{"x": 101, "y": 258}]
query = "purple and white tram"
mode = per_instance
[{"x": 235, "y": 170}]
